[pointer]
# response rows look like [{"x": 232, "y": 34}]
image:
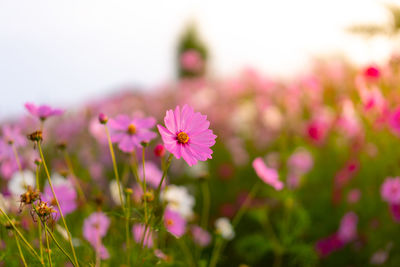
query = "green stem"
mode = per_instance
[
  {"x": 206, "y": 204},
  {"x": 163, "y": 177},
  {"x": 22, "y": 237},
  {"x": 48, "y": 248},
  {"x": 58, "y": 244},
  {"x": 39, "y": 225},
  {"x": 144, "y": 188},
  {"x": 245, "y": 204},
  {"x": 20, "y": 251},
  {"x": 216, "y": 252},
  {"x": 186, "y": 251},
  {"x": 71, "y": 170},
  {"x": 58, "y": 204},
  {"x": 127, "y": 226},
  {"x": 114, "y": 165}
]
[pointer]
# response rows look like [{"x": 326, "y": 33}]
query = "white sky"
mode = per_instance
[{"x": 65, "y": 52}]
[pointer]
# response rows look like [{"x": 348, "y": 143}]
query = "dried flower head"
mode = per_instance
[
  {"x": 28, "y": 197},
  {"x": 44, "y": 211},
  {"x": 36, "y": 136}
]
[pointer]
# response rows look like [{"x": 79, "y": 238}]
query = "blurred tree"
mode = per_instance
[
  {"x": 192, "y": 54},
  {"x": 391, "y": 29}
]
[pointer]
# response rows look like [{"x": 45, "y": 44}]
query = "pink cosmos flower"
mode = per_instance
[
  {"x": 42, "y": 112},
  {"x": 300, "y": 161},
  {"x": 191, "y": 60},
  {"x": 348, "y": 227},
  {"x": 12, "y": 134},
  {"x": 95, "y": 227},
  {"x": 66, "y": 196},
  {"x": 354, "y": 196},
  {"x": 372, "y": 72},
  {"x": 129, "y": 133},
  {"x": 174, "y": 223},
  {"x": 187, "y": 135},
  {"x": 327, "y": 245},
  {"x": 152, "y": 172},
  {"x": 390, "y": 190},
  {"x": 138, "y": 231},
  {"x": 394, "y": 121},
  {"x": 200, "y": 236},
  {"x": 268, "y": 175}
]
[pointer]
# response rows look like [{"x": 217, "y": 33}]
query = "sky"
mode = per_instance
[{"x": 66, "y": 52}]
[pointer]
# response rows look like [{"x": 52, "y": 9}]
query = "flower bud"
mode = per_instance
[
  {"x": 159, "y": 150},
  {"x": 103, "y": 119}
]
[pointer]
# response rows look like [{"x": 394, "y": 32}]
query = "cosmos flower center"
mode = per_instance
[
  {"x": 131, "y": 129},
  {"x": 183, "y": 137},
  {"x": 170, "y": 222},
  {"x": 53, "y": 202}
]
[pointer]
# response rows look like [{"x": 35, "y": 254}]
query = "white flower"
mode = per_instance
[
  {"x": 20, "y": 181},
  {"x": 59, "y": 180},
  {"x": 224, "y": 228},
  {"x": 178, "y": 199},
  {"x": 115, "y": 193},
  {"x": 272, "y": 118},
  {"x": 197, "y": 171}
]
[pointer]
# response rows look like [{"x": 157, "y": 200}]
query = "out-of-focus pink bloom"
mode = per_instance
[
  {"x": 97, "y": 131},
  {"x": 138, "y": 232},
  {"x": 12, "y": 134},
  {"x": 372, "y": 72},
  {"x": 191, "y": 60},
  {"x": 394, "y": 121},
  {"x": 354, "y": 196},
  {"x": 42, "y": 112},
  {"x": 300, "y": 161},
  {"x": 395, "y": 211},
  {"x": 95, "y": 227},
  {"x": 268, "y": 175},
  {"x": 174, "y": 223},
  {"x": 348, "y": 122},
  {"x": 293, "y": 180},
  {"x": 316, "y": 131},
  {"x": 379, "y": 257},
  {"x": 187, "y": 135},
  {"x": 8, "y": 168},
  {"x": 200, "y": 236},
  {"x": 161, "y": 255},
  {"x": 159, "y": 150},
  {"x": 390, "y": 190},
  {"x": 66, "y": 196},
  {"x": 129, "y": 133},
  {"x": 153, "y": 174},
  {"x": 327, "y": 245},
  {"x": 348, "y": 227},
  {"x": 6, "y": 151}
]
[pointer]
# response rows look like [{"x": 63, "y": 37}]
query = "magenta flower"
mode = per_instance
[
  {"x": 66, "y": 196},
  {"x": 394, "y": 121},
  {"x": 327, "y": 245},
  {"x": 348, "y": 227},
  {"x": 174, "y": 223},
  {"x": 268, "y": 175},
  {"x": 187, "y": 135},
  {"x": 42, "y": 112},
  {"x": 395, "y": 211},
  {"x": 372, "y": 72},
  {"x": 130, "y": 133},
  {"x": 200, "y": 236},
  {"x": 138, "y": 231},
  {"x": 12, "y": 134},
  {"x": 390, "y": 190},
  {"x": 152, "y": 172},
  {"x": 95, "y": 227}
]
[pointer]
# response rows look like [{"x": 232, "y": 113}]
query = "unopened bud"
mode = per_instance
[
  {"x": 38, "y": 161},
  {"x": 103, "y": 119},
  {"x": 149, "y": 196},
  {"x": 159, "y": 150}
]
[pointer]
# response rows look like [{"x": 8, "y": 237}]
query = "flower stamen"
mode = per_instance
[
  {"x": 183, "y": 137},
  {"x": 131, "y": 129}
]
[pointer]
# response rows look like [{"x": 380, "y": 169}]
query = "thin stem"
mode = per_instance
[
  {"x": 22, "y": 237},
  {"x": 216, "y": 252},
  {"x": 16, "y": 157},
  {"x": 186, "y": 251},
  {"x": 245, "y": 204},
  {"x": 163, "y": 176},
  {"x": 58, "y": 244},
  {"x": 127, "y": 226},
  {"x": 48, "y": 248},
  {"x": 39, "y": 225},
  {"x": 74, "y": 178},
  {"x": 58, "y": 204},
  {"x": 144, "y": 187},
  {"x": 20, "y": 251},
  {"x": 114, "y": 165},
  {"x": 206, "y": 204}
]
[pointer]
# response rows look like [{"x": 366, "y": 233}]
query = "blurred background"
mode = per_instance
[{"x": 64, "y": 53}]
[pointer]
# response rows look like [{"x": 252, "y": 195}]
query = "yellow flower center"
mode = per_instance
[
  {"x": 183, "y": 138},
  {"x": 131, "y": 129},
  {"x": 170, "y": 222}
]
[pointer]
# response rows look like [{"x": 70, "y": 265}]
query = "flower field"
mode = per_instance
[{"x": 237, "y": 171}]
